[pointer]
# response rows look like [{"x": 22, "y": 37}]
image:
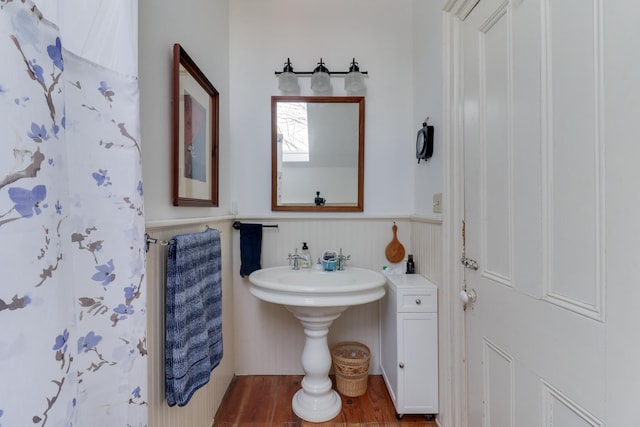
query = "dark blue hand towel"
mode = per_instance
[
  {"x": 193, "y": 336},
  {"x": 250, "y": 248}
]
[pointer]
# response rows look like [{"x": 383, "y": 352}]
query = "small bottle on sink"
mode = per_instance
[{"x": 305, "y": 260}]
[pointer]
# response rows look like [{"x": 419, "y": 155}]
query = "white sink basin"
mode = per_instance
[
  {"x": 317, "y": 288},
  {"x": 316, "y": 298}
]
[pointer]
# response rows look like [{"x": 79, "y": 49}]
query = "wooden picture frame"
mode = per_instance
[{"x": 195, "y": 130}]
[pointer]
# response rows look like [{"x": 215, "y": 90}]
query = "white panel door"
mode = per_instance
[{"x": 534, "y": 212}]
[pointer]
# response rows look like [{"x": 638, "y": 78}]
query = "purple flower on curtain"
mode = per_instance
[
  {"x": 130, "y": 292},
  {"x": 101, "y": 178},
  {"x": 88, "y": 342},
  {"x": 55, "y": 129},
  {"x": 28, "y": 201},
  {"x": 136, "y": 392},
  {"x": 61, "y": 341},
  {"x": 106, "y": 90},
  {"x": 2, "y": 90},
  {"x": 37, "y": 70},
  {"x": 55, "y": 53},
  {"x": 38, "y": 133},
  {"x": 22, "y": 101},
  {"x": 124, "y": 311},
  {"x": 58, "y": 207},
  {"x": 105, "y": 273},
  {"x": 140, "y": 190}
]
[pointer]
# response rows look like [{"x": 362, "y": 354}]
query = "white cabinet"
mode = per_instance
[{"x": 409, "y": 343}]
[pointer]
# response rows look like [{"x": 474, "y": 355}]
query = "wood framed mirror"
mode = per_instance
[{"x": 317, "y": 153}]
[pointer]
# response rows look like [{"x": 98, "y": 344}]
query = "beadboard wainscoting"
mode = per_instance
[
  {"x": 262, "y": 338},
  {"x": 201, "y": 409},
  {"x": 268, "y": 339},
  {"x": 426, "y": 246}
]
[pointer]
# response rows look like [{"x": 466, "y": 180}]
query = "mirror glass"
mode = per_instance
[{"x": 317, "y": 153}]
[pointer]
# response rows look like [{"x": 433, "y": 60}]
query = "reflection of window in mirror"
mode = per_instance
[{"x": 293, "y": 131}]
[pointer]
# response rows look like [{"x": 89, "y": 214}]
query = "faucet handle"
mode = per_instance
[
  {"x": 295, "y": 258},
  {"x": 341, "y": 260},
  {"x": 292, "y": 257}
]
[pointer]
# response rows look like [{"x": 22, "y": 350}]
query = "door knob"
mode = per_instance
[
  {"x": 468, "y": 295},
  {"x": 401, "y": 365}
]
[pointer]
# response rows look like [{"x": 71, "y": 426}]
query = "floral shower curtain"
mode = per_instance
[{"x": 72, "y": 297}]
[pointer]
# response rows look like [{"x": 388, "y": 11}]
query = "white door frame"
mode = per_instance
[{"x": 453, "y": 384}]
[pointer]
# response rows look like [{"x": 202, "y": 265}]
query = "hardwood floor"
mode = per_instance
[{"x": 255, "y": 401}]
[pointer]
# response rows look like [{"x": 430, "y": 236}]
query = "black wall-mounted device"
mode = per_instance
[{"x": 424, "y": 142}]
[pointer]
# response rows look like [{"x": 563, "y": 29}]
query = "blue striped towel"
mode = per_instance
[{"x": 193, "y": 327}]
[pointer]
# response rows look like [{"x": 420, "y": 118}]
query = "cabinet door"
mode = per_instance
[{"x": 418, "y": 363}]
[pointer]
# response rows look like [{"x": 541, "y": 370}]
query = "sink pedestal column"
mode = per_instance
[{"x": 316, "y": 401}]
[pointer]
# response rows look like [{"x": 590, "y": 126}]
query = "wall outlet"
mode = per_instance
[{"x": 437, "y": 203}]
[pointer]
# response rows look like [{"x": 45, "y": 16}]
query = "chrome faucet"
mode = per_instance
[
  {"x": 296, "y": 260},
  {"x": 340, "y": 260}
]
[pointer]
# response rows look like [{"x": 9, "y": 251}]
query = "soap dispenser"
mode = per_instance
[{"x": 305, "y": 260}]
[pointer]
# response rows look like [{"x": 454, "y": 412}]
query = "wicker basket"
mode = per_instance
[{"x": 351, "y": 365}]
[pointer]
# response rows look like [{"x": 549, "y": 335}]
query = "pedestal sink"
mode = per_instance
[{"x": 316, "y": 298}]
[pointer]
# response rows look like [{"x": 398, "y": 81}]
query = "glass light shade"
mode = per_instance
[
  {"x": 354, "y": 82},
  {"x": 320, "y": 82},
  {"x": 288, "y": 82}
]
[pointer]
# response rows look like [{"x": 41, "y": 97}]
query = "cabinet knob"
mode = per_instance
[
  {"x": 418, "y": 301},
  {"x": 401, "y": 365}
]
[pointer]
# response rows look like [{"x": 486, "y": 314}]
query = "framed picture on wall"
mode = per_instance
[{"x": 195, "y": 134}]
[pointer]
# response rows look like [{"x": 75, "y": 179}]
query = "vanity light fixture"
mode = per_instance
[
  {"x": 354, "y": 80},
  {"x": 321, "y": 78},
  {"x": 287, "y": 80}
]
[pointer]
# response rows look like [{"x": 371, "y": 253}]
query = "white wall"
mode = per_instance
[
  {"x": 202, "y": 28},
  {"x": 427, "y": 101},
  {"x": 378, "y": 33},
  {"x": 389, "y": 40},
  {"x": 239, "y": 45}
]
